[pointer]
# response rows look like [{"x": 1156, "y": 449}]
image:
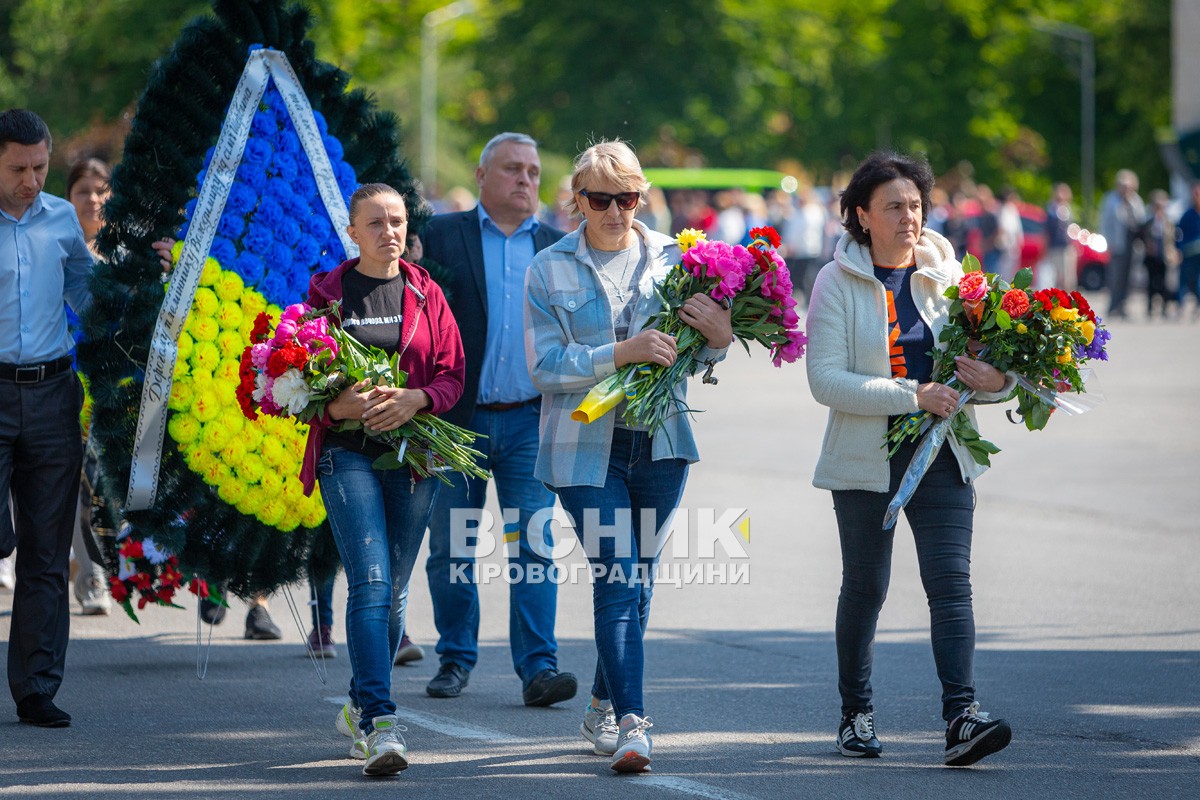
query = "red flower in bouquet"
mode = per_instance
[
  {"x": 117, "y": 588},
  {"x": 290, "y": 355},
  {"x": 262, "y": 328},
  {"x": 972, "y": 290},
  {"x": 1015, "y": 302},
  {"x": 767, "y": 233}
]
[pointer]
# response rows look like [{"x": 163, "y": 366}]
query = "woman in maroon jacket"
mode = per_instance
[{"x": 379, "y": 517}]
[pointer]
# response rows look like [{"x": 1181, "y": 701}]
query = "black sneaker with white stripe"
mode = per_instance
[
  {"x": 972, "y": 735},
  {"x": 856, "y": 735}
]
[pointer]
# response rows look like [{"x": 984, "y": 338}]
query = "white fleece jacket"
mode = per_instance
[{"x": 848, "y": 365}]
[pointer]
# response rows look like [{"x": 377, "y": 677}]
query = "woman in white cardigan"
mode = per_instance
[{"x": 874, "y": 318}]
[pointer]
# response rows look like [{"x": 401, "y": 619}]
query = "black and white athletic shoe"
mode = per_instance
[
  {"x": 856, "y": 735},
  {"x": 972, "y": 735}
]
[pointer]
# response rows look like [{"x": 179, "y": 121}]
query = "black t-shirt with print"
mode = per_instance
[{"x": 372, "y": 312}]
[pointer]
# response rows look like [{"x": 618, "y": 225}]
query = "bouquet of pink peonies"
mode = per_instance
[
  {"x": 753, "y": 281},
  {"x": 309, "y": 360}
]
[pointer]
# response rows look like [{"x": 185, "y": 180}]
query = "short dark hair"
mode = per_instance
[
  {"x": 21, "y": 126},
  {"x": 366, "y": 192},
  {"x": 877, "y": 169}
]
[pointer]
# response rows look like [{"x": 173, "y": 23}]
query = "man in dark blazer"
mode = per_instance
[{"x": 487, "y": 251}]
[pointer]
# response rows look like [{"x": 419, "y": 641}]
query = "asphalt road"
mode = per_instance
[{"x": 1086, "y": 596}]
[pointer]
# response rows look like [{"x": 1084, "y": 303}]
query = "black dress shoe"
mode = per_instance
[
  {"x": 450, "y": 680},
  {"x": 259, "y": 624},
  {"x": 39, "y": 709},
  {"x": 211, "y": 612},
  {"x": 549, "y": 687}
]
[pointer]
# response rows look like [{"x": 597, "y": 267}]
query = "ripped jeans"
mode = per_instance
[{"x": 378, "y": 519}]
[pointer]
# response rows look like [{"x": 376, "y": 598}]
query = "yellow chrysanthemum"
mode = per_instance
[
  {"x": 315, "y": 514},
  {"x": 231, "y": 491},
  {"x": 183, "y": 347},
  {"x": 176, "y": 250},
  {"x": 251, "y": 467},
  {"x": 229, "y": 286},
  {"x": 229, "y": 316},
  {"x": 203, "y": 329},
  {"x": 688, "y": 237},
  {"x": 274, "y": 452},
  {"x": 234, "y": 452},
  {"x": 215, "y": 472},
  {"x": 253, "y": 304},
  {"x": 181, "y": 370},
  {"x": 272, "y": 511},
  {"x": 205, "y": 356},
  {"x": 206, "y": 406},
  {"x": 271, "y": 482},
  {"x": 251, "y": 501},
  {"x": 183, "y": 428},
  {"x": 205, "y": 302},
  {"x": 216, "y": 434},
  {"x": 201, "y": 379},
  {"x": 231, "y": 344},
  {"x": 252, "y": 435},
  {"x": 212, "y": 271},
  {"x": 227, "y": 372},
  {"x": 181, "y": 395}
]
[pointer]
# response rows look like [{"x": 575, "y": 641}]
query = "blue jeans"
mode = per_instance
[
  {"x": 322, "y": 603},
  {"x": 510, "y": 451},
  {"x": 1189, "y": 278},
  {"x": 940, "y": 515},
  {"x": 620, "y": 596},
  {"x": 378, "y": 519}
]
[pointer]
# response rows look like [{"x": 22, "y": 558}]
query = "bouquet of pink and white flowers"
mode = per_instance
[
  {"x": 752, "y": 281},
  {"x": 309, "y": 360}
]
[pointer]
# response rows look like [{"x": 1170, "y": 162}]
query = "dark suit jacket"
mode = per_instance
[{"x": 455, "y": 241}]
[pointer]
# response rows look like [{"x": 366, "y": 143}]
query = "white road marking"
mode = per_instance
[
  {"x": 690, "y": 787},
  {"x": 444, "y": 725}
]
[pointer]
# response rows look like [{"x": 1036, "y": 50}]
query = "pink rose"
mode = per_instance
[{"x": 972, "y": 286}]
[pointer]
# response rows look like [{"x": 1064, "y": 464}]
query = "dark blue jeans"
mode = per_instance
[
  {"x": 378, "y": 519},
  {"x": 940, "y": 515},
  {"x": 623, "y": 564},
  {"x": 510, "y": 451}
]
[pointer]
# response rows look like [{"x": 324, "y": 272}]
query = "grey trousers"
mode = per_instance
[{"x": 41, "y": 454}]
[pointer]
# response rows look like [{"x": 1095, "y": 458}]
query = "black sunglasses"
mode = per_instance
[{"x": 600, "y": 201}]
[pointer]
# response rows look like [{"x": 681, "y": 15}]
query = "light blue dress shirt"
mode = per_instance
[
  {"x": 43, "y": 260},
  {"x": 504, "y": 376}
]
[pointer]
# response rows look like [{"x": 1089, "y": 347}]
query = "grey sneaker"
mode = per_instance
[
  {"x": 347, "y": 725},
  {"x": 599, "y": 727},
  {"x": 92, "y": 595},
  {"x": 386, "y": 752},
  {"x": 632, "y": 753}
]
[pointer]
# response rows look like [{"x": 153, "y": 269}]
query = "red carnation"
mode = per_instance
[
  {"x": 199, "y": 587},
  {"x": 1015, "y": 302},
  {"x": 766, "y": 232},
  {"x": 118, "y": 589},
  {"x": 1082, "y": 304},
  {"x": 287, "y": 356},
  {"x": 262, "y": 327}
]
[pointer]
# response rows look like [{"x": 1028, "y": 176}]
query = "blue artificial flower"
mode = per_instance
[
  {"x": 347, "y": 180},
  {"x": 304, "y": 184},
  {"x": 269, "y": 212},
  {"x": 201, "y": 175},
  {"x": 281, "y": 256},
  {"x": 333, "y": 147},
  {"x": 254, "y": 47},
  {"x": 318, "y": 225},
  {"x": 294, "y": 205},
  {"x": 306, "y": 253},
  {"x": 242, "y": 199},
  {"x": 232, "y": 226},
  {"x": 208, "y": 156},
  {"x": 322, "y": 125},
  {"x": 284, "y": 164},
  {"x": 190, "y": 208},
  {"x": 258, "y": 153},
  {"x": 276, "y": 287},
  {"x": 223, "y": 251},
  {"x": 259, "y": 239},
  {"x": 288, "y": 231},
  {"x": 264, "y": 125},
  {"x": 252, "y": 268},
  {"x": 253, "y": 176}
]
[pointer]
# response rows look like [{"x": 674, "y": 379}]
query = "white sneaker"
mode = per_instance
[
  {"x": 599, "y": 727},
  {"x": 8, "y": 576},
  {"x": 347, "y": 725},
  {"x": 633, "y": 744},
  {"x": 386, "y": 752},
  {"x": 92, "y": 595}
]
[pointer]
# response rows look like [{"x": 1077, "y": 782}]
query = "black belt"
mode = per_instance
[
  {"x": 507, "y": 406},
  {"x": 34, "y": 373}
]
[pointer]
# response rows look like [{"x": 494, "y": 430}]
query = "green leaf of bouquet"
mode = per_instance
[
  {"x": 1023, "y": 279},
  {"x": 970, "y": 263},
  {"x": 1003, "y": 319},
  {"x": 128, "y": 606},
  {"x": 389, "y": 460}
]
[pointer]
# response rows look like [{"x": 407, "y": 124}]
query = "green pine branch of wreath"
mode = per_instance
[{"x": 179, "y": 117}]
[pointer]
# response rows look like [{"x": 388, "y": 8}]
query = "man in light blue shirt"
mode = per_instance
[
  {"x": 43, "y": 261},
  {"x": 488, "y": 250}
]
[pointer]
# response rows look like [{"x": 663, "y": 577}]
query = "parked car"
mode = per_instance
[{"x": 1091, "y": 249}]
